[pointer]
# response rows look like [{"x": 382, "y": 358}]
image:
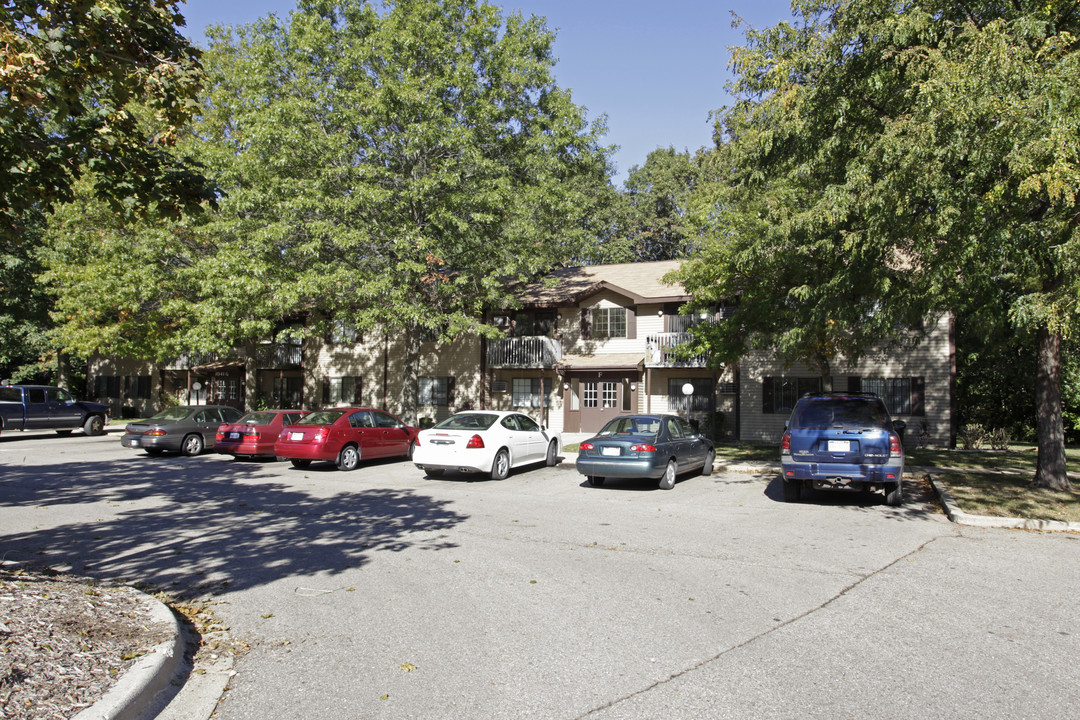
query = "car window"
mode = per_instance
[
  {"x": 470, "y": 421},
  {"x": 290, "y": 418},
  {"x": 361, "y": 419},
  {"x": 321, "y": 417},
  {"x": 384, "y": 420},
  {"x": 674, "y": 429},
  {"x": 819, "y": 414},
  {"x": 202, "y": 416},
  {"x": 10, "y": 394},
  {"x": 257, "y": 418},
  {"x": 527, "y": 423},
  {"x": 686, "y": 428},
  {"x": 62, "y": 395},
  {"x": 36, "y": 395},
  {"x": 229, "y": 414},
  {"x": 510, "y": 423}
]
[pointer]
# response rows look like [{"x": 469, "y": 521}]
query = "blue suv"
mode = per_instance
[{"x": 842, "y": 441}]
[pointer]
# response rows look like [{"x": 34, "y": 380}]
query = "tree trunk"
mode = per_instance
[
  {"x": 1050, "y": 471},
  {"x": 409, "y": 375}
]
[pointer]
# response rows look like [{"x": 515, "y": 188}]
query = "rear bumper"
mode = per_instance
[
  {"x": 152, "y": 442},
  {"x": 622, "y": 467},
  {"x": 833, "y": 473},
  {"x": 302, "y": 451},
  {"x": 247, "y": 449}
]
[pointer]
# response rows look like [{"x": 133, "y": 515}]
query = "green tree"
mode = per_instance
[
  {"x": 887, "y": 160},
  {"x": 657, "y": 195},
  {"x": 396, "y": 166}
]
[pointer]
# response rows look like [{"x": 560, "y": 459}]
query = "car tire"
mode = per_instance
[
  {"x": 595, "y": 480},
  {"x": 153, "y": 452},
  {"x": 300, "y": 462},
  {"x": 500, "y": 466},
  {"x": 668, "y": 481},
  {"x": 552, "y": 454},
  {"x": 192, "y": 445},
  {"x": 894, "y": 494},
  {"x": 94, "y": 425},
  {"x": 348, "y": 458},
  {"x": 412, "y": 448},
  {"x": 710, "y": 458},
  {"x": 792, "y": 490},
  {"x": 434, "y": 472}
]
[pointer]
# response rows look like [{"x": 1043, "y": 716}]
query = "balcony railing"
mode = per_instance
[
  {"x": 279, "y": 356},
  {"x": 524, "y": 352},
  {"x": 659, "y": 351}
]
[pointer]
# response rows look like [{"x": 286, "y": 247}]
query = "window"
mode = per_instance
[
  {"x": 288, "y": 392},
  {"x": 780, "y": 393},
  {"x": 384, "y": 420},
  {"x": 342, "y": 390},
  {"x": 342, "y": 333},
  {"x": 902, "y": 396},
  {"x": 701, "y": 400},
  {"x": 136, "y": 387},
  {"x": 608, "y": 322},
  {"x": 528, "y": 324},
  {"x": 435, "y": 390},
  {"x": 107, "y": 386},
  {"x": 683, "y": 323},
  {"x": 532, "y": 392}
]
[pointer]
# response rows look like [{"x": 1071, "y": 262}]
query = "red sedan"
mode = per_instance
[
  {"x": 254, "y": 434},
  {"x": 344, "y": 436}
]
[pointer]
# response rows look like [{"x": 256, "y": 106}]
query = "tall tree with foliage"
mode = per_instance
[
  {"x": 657, "y": 195},
  {"x": 887, "y": 160},
  {"x": 397, "y": 166}
]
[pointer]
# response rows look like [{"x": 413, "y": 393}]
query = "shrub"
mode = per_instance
[{"x": 972, "y": 436}]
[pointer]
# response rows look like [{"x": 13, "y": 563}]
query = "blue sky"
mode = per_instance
[{"x": 654, "y": 68}]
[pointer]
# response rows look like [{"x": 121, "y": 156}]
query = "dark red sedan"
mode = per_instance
[
  {"x": 254, "y": 434},
  {"x": 345, "y": 436}
]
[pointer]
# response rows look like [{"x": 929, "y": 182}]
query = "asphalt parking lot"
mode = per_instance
[{"x": 383, "y": 594}]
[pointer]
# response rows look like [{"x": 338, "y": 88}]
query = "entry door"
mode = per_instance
[{"x": 600, "y": 401}]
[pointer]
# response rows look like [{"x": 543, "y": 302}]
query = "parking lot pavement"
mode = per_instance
[{"x": 381, "y": 593}]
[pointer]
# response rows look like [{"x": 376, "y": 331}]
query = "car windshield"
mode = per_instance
[
  {"x": 472, "y": 421},
  {"x": 840, "y": 412},
  {"x": 632, "y": 426},
  {"x": 322, "y": 417},
  {"x": 174, "y": 413},
  {"x": 257, "y": 418}
]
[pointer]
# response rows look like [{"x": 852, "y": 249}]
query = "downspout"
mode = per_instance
[{"x": 386, "y": 369}]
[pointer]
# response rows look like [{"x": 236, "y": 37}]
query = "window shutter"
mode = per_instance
[
  {"x": 631, "y": 322},
  {"x": 918, "y": 392},
  {"x": 767, "y": 395},
  {"x": 325, "y": 390},
  {"x": 450, "y": 392},
  {"x": 357, "y": 395},
  {"x": 854, "y": 383},
  {"x": 586, "y": 326}
]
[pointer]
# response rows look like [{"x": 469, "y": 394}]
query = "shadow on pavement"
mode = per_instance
[{"x": 205, "y": 523}]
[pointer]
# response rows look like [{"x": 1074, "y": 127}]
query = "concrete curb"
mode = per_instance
[
  {"x": 138, "y": 688},
  {"x": 960, "y": 517}
]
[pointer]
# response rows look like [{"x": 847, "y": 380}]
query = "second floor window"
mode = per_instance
[{"x": 608, "y": 322}]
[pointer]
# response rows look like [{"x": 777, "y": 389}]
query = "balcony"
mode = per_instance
[
  {"x": 524, "y": 352},
  {"x": 279, "y": 356},
  {"x": 660, "y": 351}
]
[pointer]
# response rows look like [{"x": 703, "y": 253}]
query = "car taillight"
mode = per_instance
[
  {"x": 219, "y": 437},
  {"x": 586, "y": 446},
  {"x": 251, "y": 434},
  {"x": 475, "y": 442},
  {"x": 785, "y": 444},
  {"x": 155, "y": 433},
  {"x": 643, "y": 447},
  {"x": 894, "y": 445}
]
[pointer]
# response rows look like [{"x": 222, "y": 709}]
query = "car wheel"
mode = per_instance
[
  {"x": 710, "y": 458},
  {"x": 153, "y": 452},
  {"x": 894, "y": 494},
  {"x": 348, "y": 458},
  {"x": 300, "y": 462},
  {"x": 412, "y": 448},
  {"x": 94, "y": 425},
  {"x": 668, "y": 481},
  {"x": 595, "y": 480},
  {"x": 500, "y": 468},
  {"x": 193, "y": 445},
  {"x": 552, "y": 454},
  {"x": 792, "y": 490}
]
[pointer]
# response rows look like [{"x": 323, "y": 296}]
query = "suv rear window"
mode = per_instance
[{"x": 821, "y": 413}]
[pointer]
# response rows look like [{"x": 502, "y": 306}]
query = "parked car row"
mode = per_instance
[{"x": 832, "y": 441}]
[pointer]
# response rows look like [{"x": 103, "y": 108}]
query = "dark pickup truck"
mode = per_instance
[{"x": 41, "y": 407}]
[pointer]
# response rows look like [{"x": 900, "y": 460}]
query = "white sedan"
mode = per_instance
[{"x": 486, "y": 441}]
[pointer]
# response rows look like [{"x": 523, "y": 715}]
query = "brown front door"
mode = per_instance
[{"x": 601, "y": 399}]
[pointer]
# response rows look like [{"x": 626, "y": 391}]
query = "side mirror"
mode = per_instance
[{"x": 543, "y": 428}]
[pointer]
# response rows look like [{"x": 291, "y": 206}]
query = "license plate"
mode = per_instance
[
  {"x": 442, "y": 442},
  {"x": 296, "y": 436},
  {"x": 611, "y": 451},
  {"x": 134, "y": 443},
  {"x": 839, "y": 446},
  {"x": 234, "y": 436}
]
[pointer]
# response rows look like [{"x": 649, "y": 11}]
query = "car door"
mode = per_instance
[
  {"x": 64, "y": 412},
  {"x": 515, "y": 439},
  {"x": 207, "y": 422},
  {"x": 695, "y": 445},
  {"x": 395, "y": 438},
  {"x": 678, "y": 445},
  {"x": 537, "y": 443},
  {"x": 37, "y": 408},
  {"x": 361, "y": 430}
]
